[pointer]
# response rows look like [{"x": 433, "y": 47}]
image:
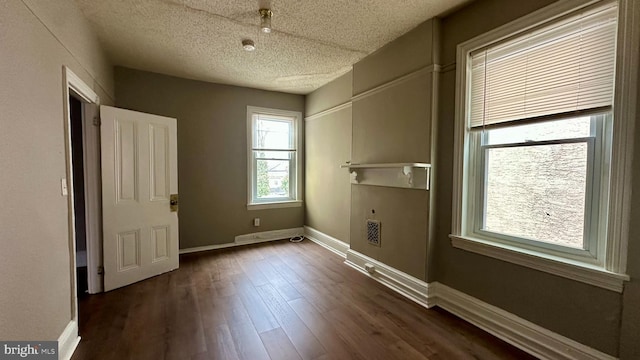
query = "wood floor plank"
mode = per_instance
[
  {"x": 383, "y": 335},
  {"x": 234, "y": 310},
  {"x": 211, "y": 309},
  {"x": 364, "y": 305},
  {"x": 224, "y": 287},
  {"x": 444, "y": 340},
  {"x": 285, "y": 271},
  {"x": 228, "y": 264},
  {"x": 249, "y": 346},
  {"x": 253, "y": 272},
  {"x": 279, "y": 346},
  {"x": 277, "y": 280},
  {"x": 276, "y": 300},
  {"x": 220, "y": 344},
  {"x": 316, "y": 298},
  {"x": 353, "y": 335},
  {"x": 301, "y": 337},
  {"x": 260, "y": 315},
  {"x": 324, "y": 331}
]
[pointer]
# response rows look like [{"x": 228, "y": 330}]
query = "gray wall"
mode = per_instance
[
  {"x": 334, "y": 93},
  {"x": 630, "y": 331},
  {"x": 394, "y": 125},
  {"x": 37, "y": 38},
  {"x": 328, "y": 145},
  {"x": 588, "y": 314},
  {"x": 212, "y": 151}
]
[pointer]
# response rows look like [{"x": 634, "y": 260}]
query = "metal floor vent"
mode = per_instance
[{"x": 373, "y": 232}]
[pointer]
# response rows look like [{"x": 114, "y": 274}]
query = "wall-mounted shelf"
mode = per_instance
[{"x": 402, "y": 175}]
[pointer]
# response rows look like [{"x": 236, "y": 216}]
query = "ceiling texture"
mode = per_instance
[{"x": 312, "y": 42}]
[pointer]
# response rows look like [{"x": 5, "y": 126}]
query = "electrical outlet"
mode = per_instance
[{"x": 256, "y": 222}]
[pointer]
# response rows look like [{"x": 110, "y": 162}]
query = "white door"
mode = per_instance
[{"x": 139, "y": 175}]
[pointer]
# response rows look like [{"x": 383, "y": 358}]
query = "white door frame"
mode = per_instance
[
  {"x": 73, "y": 84},
  {"x": 92, "y": 194}
]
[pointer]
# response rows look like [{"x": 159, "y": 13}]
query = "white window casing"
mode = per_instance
[
  {"x": 582, "y": 72},
  {"x": 257, "y": 152}
]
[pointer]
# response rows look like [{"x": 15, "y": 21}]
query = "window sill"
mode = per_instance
[
  {"x": 586, "y": 273},
  {"x": 275, "y": 205}
]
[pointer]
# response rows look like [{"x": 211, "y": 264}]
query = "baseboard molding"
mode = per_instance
[
  {"x": 328, "y": 242},
  {"x": 249, "y": 239},
  {"x": 206, "y": 248},
  {"x": 402, "y": 283},
  {"x": 268, "y": 236},
  {"x": 532, "y": 338},
  {"x": 68, "y": 341}
]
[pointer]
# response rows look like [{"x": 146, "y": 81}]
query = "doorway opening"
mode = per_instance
[
  {"x": 85, "y": 191},
  {"x": 79, "y": 208},
  {"x": 81, "y": 185}
]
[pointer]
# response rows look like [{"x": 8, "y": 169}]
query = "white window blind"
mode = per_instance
[{"x": 564, "y": 67}]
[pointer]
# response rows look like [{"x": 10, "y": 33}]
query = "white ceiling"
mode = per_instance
[{"x": 312, "y": 42}]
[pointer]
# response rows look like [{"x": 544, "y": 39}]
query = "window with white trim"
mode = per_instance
[
  {"x": 535, "y": 125},
  {"x": 273, "y": 167}
]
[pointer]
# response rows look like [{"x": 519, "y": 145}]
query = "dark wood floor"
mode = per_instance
[{"x": 277, "y": 300}]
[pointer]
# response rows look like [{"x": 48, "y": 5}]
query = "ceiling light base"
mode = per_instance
[
  {"x": 248, "y": 45},
  {"x": 265, "y": 20}
]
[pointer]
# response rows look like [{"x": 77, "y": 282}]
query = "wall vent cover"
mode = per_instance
[{"x": 373, "y": 232}]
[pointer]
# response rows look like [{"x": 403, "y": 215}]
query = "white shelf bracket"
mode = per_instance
[
  {"x": 408, "y": 172},
  {"x": 354, "y": 177}
]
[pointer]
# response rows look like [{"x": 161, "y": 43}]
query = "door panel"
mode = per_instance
[
  {"x": 129, "y": 250},
  {"x": 126, "y": 160},
  {"x": 160, "y": 240},
  {"x": 159, "y": 151},
  {"x": 139, "y": 173}
]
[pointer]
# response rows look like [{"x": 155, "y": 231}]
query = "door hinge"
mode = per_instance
[
  {"x": 96, "y": 121},
  {"x": 100, "y": 270}
]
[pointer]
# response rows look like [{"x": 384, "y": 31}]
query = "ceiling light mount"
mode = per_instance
[
  {"x": 248, "y": 45},
  {"x": 265, "y": 20}
]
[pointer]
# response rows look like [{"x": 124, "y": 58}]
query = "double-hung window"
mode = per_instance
[
  {"x": 535, "y": 138},
  {"x": 273, "y": 157}
]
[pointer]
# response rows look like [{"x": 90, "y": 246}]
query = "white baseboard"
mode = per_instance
[
  {"x": 68, "y": 341},
  {"x": 206, "y": 248},
  {"x": 249, "y": 239},
  {"x": 328, "y": 242},
  {"x": 268, "y": 236},
  {"x": 532, "y": 338},
  {"x": 404, "y": 284}
]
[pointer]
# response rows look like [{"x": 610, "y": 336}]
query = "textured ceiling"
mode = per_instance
[{"x": 312, "y": 42}]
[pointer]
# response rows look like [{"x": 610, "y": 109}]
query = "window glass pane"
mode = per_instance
[
  {"x": 284, "y": 155},
  {"x": 273, "y": 133},
  {"x": 537, "y": 192},
  {"x": 272, "y": 180},
  {"x": 550, "y": 130}
]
